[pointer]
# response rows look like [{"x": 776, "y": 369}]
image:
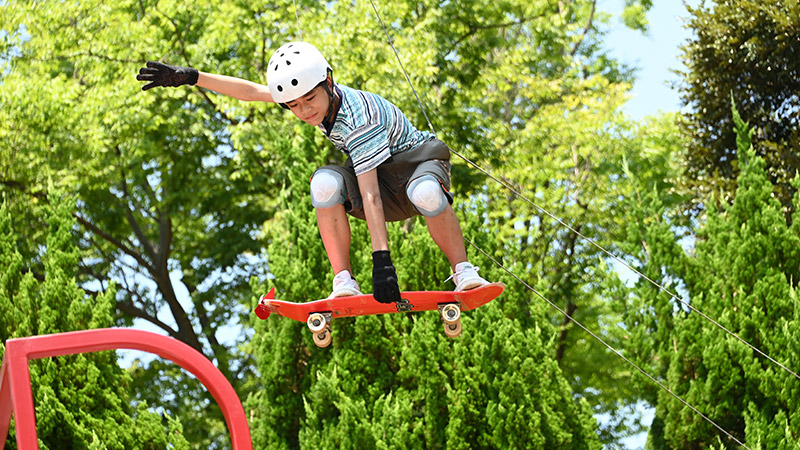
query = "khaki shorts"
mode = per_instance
[{"x": 394, "y": 174}]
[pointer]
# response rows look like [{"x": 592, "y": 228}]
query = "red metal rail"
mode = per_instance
[{"x": 15, "y": 380}]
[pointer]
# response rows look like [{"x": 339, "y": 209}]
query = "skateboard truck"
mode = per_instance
[{"x": 404, "y": 305}]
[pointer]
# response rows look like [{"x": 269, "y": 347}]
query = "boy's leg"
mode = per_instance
[
  {"x": 328, "y": 196},
  {"x": 335, "y": 231},
  {"x": 428, "y": 192},
  {"x": 446, "y": 233}
]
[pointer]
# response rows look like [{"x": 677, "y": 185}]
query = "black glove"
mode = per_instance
[
  {"x": 160, "y": 74},
  {"x": 384, "y": 278}
]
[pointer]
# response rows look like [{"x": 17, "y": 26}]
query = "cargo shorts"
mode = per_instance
[{"x": 394, "y": 175}]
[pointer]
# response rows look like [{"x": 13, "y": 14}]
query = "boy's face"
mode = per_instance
[{"x": 312, "y": 107}]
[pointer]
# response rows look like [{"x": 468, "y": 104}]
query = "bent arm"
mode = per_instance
[
  {"x": 235, "y": 87},
  {"x": 373, "y": 209}
]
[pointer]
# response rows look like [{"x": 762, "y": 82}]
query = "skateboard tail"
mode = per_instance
[{"x": 261, "y": 309}]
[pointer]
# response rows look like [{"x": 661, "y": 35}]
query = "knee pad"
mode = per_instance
[
  {"x": 427, "y": 196},
  {"x": 327, "y": 189}
]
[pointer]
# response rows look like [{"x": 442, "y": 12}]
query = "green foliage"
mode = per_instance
[
  {"x": 747, "y": 48},
  {"x": 184, "y": 195},
  {"x": 743, "y": 271},
  {"x": 580, "y": 177},
  {"x": 171, "y": 188},
  {"x": 81, "y": 401}
]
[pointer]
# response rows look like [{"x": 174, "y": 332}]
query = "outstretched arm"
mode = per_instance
[
  {"x": 235, "y": 87},
  {"x": 160, "y": 74}
]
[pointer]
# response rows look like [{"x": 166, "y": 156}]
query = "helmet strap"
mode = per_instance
[{"x": 329, "y": 116}]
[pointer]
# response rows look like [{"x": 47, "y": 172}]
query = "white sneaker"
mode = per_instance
[
  {"x": 466, "y": 277},
  {"x": 344, "y": 285}
]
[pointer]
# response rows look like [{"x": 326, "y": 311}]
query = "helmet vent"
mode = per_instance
[
  {"x": 294, "y": 82},
  {"x": 280, "y": 88}
]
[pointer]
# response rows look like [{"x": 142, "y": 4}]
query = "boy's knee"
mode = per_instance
[
  {"x": 327, "y": 189},
  {"x": 427, "y": 196}
]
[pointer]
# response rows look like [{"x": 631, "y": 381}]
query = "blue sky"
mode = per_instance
[{"x": 655, "y": 54}]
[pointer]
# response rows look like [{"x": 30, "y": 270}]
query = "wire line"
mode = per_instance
[
  {"x": 581, "y": 235},
  {"x": 592, "y": 242},
  {"x": 617, "y": 352},
  {"x": 297, "y": 18},
  {"x": 400, "y": 61}
]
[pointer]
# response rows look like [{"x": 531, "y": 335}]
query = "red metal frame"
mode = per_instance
[{"x": 15, "y": 380}]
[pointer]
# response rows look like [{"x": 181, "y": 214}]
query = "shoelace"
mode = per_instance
[{"x": 476, "y": 269}]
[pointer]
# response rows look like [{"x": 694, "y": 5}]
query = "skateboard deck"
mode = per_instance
[{"x": 318, "y": 314}]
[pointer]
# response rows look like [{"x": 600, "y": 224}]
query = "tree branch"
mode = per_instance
[
  {"x": 127, "y": 307},
  {"x": 115, "y": 242},
  {"x": 475, "y": 28},
  {"x": 22, "y": 187},
  {"x": 137, "y": 230},
  {"x": 586, "y": 29},
  {"x": 164, "y": 235}
]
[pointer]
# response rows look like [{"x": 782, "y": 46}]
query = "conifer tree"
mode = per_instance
[
  {"x": 82, "y": 400},
  {"x": 743, "y": 273}
]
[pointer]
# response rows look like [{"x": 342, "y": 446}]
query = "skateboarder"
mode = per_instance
[{"x": 393, "y": 171}]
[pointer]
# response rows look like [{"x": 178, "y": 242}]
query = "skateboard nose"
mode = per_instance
[{"x": 262, "y": 312}]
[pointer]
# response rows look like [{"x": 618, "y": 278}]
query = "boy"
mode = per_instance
[{"x": 393, "y": 171}]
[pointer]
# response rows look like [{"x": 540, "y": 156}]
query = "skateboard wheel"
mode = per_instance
[
  {"x": 316, "y": 322},
  {"x": 452, "y": 329},
  {"x": 322, "y": 339},
  {"x": 451, "y": 313}
]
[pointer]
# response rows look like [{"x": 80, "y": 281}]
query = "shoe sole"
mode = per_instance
[
  {"x": 472, "y": 285},
  {"x": 345, "y": 293}
]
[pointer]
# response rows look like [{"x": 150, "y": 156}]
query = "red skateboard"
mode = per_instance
[{"x": 319, "y": 314}]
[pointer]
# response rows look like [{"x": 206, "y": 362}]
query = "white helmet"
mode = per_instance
[{"x": 294, "y": 70}]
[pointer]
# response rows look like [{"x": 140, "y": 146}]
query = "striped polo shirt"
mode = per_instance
[{"x": 370, "y": 129}]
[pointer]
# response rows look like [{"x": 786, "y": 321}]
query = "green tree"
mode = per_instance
[
  {"x": 747, "y": 48},
  {"x": 526, "y": 90},
  {"x": 177, "y": 186},
  {"x": 81, "y": 401},
  {"x": 162, "y": 194},
  {"x": 170, "y": 194},
  {"x": 743, "y": 272}
]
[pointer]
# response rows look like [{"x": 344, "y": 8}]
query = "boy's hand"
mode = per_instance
[
  {"x": 160, "y": 74},
  {"x": 384, "y": 278}
]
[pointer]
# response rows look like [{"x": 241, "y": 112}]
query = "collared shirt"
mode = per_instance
[{"x": 370, "y": 129}]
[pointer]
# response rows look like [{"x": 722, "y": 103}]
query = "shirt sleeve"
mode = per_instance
[{"x": 368, "y": 147}]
